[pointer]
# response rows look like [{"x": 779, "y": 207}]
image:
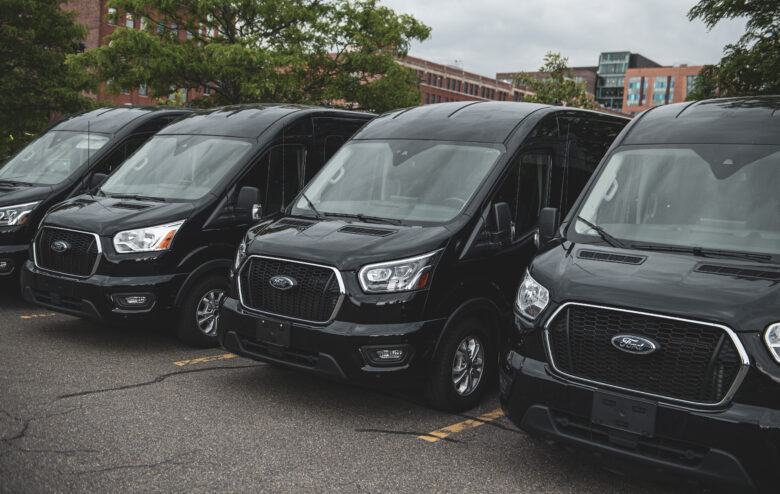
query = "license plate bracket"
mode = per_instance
[
  {"x": 626, "y": 414},
  {"x": 271, "y": 332}
]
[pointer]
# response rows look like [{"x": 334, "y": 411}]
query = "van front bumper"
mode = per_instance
[
  {"x": 737, "y": 446},
  {"x": 99, "y": 297},
  {"x": 337, "y": 350}
]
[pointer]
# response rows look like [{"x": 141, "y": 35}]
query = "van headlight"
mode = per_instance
[
  {"x": 149, "y": 239},
  {"x": 532, "y": 298},
  {"x": 403, "y": 275},
  {"x": 240, "y": 254},
  {"x": 18, "y": 214},
  {"x": 772, "y": 340}
]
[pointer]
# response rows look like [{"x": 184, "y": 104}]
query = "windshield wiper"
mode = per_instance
[
  {"x": 138, "y": 197},
  {"x": 317, "y": 214},
  {"x": 702, "y": 252},
  {"x": 14, "y": 182},
  {"x": 603, "y": 234},
  {"x": 366, "y": 219}
]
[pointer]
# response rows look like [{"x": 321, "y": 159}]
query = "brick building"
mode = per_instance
[
  {"x": 580, "y": 74},
  {"x": 94, "y": 14},
  {"x": 443, "y": 83},
  {"x": 648, "y": 87}
]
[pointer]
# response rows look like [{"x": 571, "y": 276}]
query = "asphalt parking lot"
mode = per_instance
[{"x": 89, "y": 408}]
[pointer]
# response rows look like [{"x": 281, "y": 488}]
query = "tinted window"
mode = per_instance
[
  {"x": 277, "y": 175},
  {"x": 526, "y": 190}
]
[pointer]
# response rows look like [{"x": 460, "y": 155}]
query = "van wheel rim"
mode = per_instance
[
  {"x": 207, "y": 313},
  {"x": 468, "y": 365}
]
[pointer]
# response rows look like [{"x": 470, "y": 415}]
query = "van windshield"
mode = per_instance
[
  {"x": 401, "y": 180},
  {"x": 52, "y": 158},
  {"x": 177, "y": 167},
  {"x": 702, "y": 197}
]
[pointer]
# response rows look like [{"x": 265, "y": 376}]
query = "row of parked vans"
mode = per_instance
[{"x": 646, "y": 324}]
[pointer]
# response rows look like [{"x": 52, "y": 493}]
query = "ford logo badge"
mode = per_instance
[
  {"x": 638, "y": 345},
  {"x": 60, "y": 246},
  {"x": 283, "y": 282}
]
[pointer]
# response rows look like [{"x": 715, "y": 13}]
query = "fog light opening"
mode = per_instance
[
  {"x": 133, "y": 301},
  {"x": 387, "y": 355},
  {"x": 6, "y": 266}
]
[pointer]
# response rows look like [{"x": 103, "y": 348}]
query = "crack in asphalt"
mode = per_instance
[
  {"x": 26, "y": 427},
  {"x": 408, "y": 433},
  {"x": 156, "y": 380}
]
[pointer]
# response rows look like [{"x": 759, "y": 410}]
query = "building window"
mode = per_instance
[
  {"x": 175, "y": 29},
  {"x": 659, "y": 83},
  {"x": 111, "y": 16},
  {"x": 438, "y": 99},
  {"x": 690, "y": 84},
  {"x": 427, "y": 98},
  {"x": 429, "y": 78},
  {"x": 160, "y": 27},
  {"x": 129, "y": 20},
  {"x": 188, "y": 34},
  {"x": 143, "y": 90}
]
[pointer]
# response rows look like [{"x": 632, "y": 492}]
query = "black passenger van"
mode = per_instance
[
  {"x": 649, "y": 327},
  {"x": 402, "y": 256},
  {"x": 159, "y": 236},
  {"x": 71, "y": 158}
]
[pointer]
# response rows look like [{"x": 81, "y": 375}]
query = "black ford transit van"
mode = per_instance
[
  {"x": 402, "y": 256},
  {"x": 72, "y": 157},
  {"x": 157, "y": 239},
  {"x": 649, "y": 327}
]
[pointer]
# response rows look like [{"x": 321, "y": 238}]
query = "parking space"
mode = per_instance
[{"x": 89, "y": 408}]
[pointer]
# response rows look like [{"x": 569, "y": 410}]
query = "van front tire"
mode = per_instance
[
  {"x": 197, "y": 325},
  {"x": 462, "y": 367}
]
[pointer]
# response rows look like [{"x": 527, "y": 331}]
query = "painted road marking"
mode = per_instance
[
  {"x": 202, "y": 360},
  {"x": 483, "y": 419},
  {"x": 33, "y": 316}
]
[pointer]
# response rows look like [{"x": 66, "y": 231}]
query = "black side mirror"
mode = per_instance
[
  {"x": 96, "y": 180},
  {"x": 500, "y": 224},
  {"x": 549, "y": 221},
  {"x": 248, "y": 203}
]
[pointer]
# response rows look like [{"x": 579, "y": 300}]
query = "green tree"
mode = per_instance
[
  {"x": 557, "y": 86},
  {"x": 36, "y": 38},
  {"x": 293, "y": 51},
  {"x": 749, "y": 67}
]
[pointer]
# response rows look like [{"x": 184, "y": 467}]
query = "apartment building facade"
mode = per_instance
[
  {"x": 648, "y": 87},
  {"x": 443, "y": 83},
  {"x": 611, "y": 79}
]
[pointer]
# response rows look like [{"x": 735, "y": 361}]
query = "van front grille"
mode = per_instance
[
  {"x": 695, "y": 362},
  {"x": 314, "y": 296},
  {"x": 67, "y": 251}
]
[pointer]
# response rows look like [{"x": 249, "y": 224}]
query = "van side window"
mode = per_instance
[
  {"x": 120, "y": 154},
  {"x": 588, "y": 139},
  {"x": 525, "y": 190},
  {"x": 277, "y": 174}
]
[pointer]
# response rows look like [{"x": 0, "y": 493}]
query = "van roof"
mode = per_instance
[
  {"x": 111, "y": 120},
  {"x": 468, "y": 121},
  {"x": 749, "y": 120},
  {"x": 248, "y": 120}
]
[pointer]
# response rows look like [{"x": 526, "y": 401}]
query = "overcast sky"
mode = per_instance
[{"x": 489, "y": 36}]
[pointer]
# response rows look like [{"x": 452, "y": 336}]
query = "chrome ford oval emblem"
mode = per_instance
[
  {"x": 638, "y": 345},
  {"x": 281, "y": 282},
  {"x": 60, "y": 246}
]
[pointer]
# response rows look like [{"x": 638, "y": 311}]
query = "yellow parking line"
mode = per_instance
[
  {"x": 33, "y": 316},
  {"x": 202, "y": 360},
  {"x": 483, "y": 419}
]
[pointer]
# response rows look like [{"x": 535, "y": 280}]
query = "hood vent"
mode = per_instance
[
  {"x": 365, "y": 230},
  {"x": 130, "y": 205},
  {"x": 751, "y": 273},
  {"x": 610, "y": 257},
  {"x": 300, "y": 224}
]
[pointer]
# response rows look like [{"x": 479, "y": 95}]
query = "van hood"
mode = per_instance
[
  {"x": 108, "y": 215},
  {"x": 743, "y": 294},
  {"x": 11, "y": 195},
  {"x": 343, "y": 244}
]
